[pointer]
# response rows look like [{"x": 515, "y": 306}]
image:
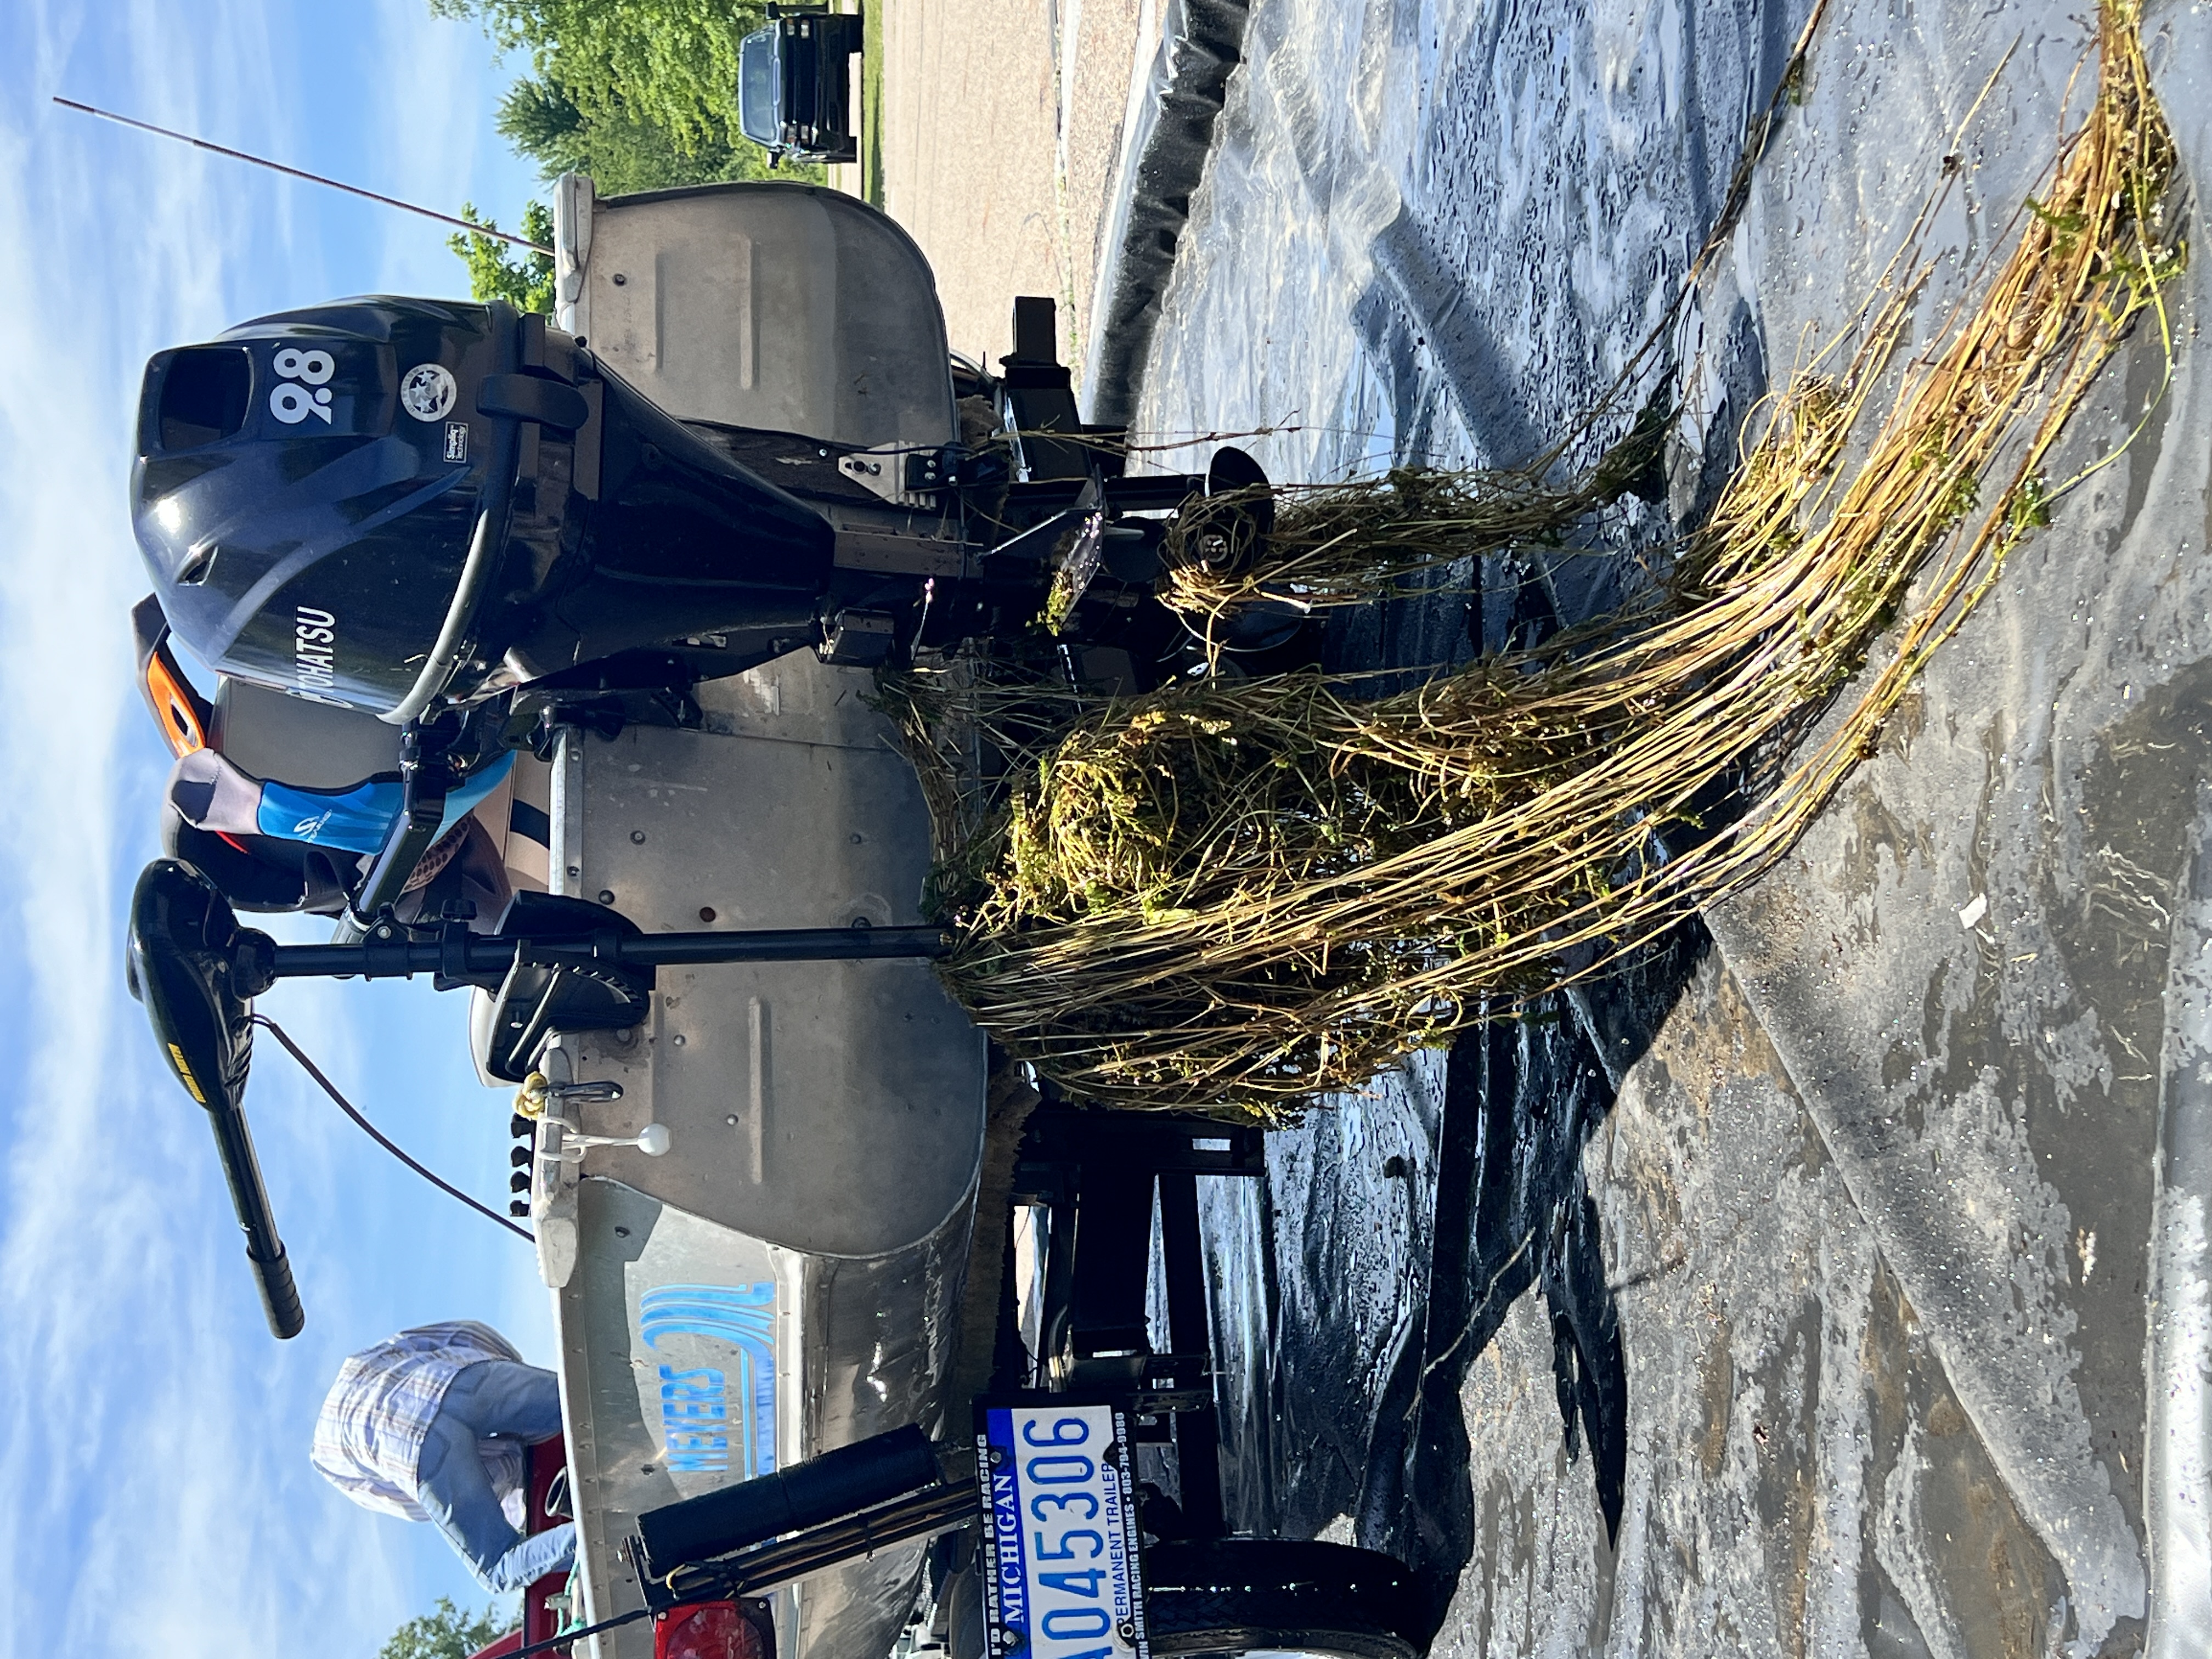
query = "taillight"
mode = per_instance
[{"x": 709, "y": 1630}]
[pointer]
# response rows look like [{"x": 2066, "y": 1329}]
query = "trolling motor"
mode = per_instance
[
  {"x": 555, "y": 963},
  {"x": 181, "y": 933}
]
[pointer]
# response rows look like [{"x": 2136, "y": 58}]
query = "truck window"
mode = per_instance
[{"x": 758, "y": 88}]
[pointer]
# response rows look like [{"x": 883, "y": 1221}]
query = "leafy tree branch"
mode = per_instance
[
  {"x": 499, "y": 270},
  {"x": 445, "y": 1632}
]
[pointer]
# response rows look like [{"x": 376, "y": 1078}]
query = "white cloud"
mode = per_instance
[{"x": 430, "y": 128}]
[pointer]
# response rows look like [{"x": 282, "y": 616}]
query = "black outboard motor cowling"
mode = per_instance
[{"x": 383, "y": 502}]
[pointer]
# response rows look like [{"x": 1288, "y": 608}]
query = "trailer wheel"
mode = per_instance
[{"x": 1248, "y": 1594}]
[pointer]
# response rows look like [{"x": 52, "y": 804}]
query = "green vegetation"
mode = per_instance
[
  {"x": 872, "y": 103},
  {"x": 500, "y": 270},
  {"x": 671, "y": 65},
  {"x": 623, "y": 151},
  {"x": 445, "y": 1632},
  {"x": 641, "y": 94},
  {"x": 1238, "y": 895}
]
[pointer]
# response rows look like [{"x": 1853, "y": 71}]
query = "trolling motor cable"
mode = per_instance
[
  {"x": 565, "y": 1638},
  {"x": 568, "y": 1636},
  {"x": 381, "y": 1137}
]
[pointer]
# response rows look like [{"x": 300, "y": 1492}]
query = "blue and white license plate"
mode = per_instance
[{"x": 1059, "y": 1506}]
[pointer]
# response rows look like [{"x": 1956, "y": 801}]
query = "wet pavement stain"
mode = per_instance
[{"x": 1994, "y": 1588}]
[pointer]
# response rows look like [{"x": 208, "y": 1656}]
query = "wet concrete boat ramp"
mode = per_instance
[{"x": 1833, "y": 1281}]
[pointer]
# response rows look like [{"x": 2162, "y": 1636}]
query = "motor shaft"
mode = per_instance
[{"x": 391, "y": 952}]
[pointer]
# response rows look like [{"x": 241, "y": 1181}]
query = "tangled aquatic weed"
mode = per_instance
[{"x": 1238, "y": 897}]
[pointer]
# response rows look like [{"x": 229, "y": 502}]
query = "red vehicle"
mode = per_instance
[{"x": 699, "y": 1630}]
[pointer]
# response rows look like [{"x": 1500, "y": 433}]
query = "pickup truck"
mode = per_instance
[{"x": 794, "y": 89}]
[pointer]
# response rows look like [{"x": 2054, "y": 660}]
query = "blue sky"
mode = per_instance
[{"x": 153, "y": 1436}]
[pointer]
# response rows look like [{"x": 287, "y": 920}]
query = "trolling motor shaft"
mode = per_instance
[
  {"x": 207, "y": 1038},
  {"x": 258, "y": 962}
]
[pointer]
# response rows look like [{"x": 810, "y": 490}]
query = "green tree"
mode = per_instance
[
  {"x": 500, "y": 270},
  {"x": 641, "y": 94},
  {"x": 669, "y": 65},
  {"x": 445, "y": 1632},
  {"x": 622, "y": 153}
]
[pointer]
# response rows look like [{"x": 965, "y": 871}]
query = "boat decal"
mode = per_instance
[
  {"x": 302, "y": 390},
  {"x": 716, "y": 1418}
]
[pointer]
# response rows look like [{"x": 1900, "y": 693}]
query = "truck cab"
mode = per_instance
[{"x": 794, "y": 92}]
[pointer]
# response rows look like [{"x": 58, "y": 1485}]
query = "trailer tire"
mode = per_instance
[
  {"x": 966, "y": 1635},
  {"x": 1248, "y": 1595}
]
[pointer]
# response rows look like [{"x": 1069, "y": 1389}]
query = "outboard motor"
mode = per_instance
[
  {"x": 455, "y": 519},
  {"x": 386, "y": 502},
  {"x": 399, "y": 505}
]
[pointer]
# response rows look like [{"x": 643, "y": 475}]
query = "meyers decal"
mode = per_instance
[
  {"x": 715, "y": 1418},
  {"x": 314, "y": 655}
]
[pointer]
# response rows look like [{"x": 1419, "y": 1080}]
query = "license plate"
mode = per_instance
[{"x": 1059, "y": 1506}]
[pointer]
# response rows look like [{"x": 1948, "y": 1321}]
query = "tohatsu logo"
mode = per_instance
[{"x": 314, "y": 655}]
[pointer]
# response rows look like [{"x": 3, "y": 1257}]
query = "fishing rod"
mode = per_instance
[{"x": 312, "y": 178}]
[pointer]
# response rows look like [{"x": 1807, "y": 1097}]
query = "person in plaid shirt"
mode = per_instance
[{"x": 429, "y": 1425}]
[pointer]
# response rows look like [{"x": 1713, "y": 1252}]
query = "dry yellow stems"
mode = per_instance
[{"x": 1239, "y": 895}]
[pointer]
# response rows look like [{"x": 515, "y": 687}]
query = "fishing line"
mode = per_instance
[{"x": 468, "y": 225}]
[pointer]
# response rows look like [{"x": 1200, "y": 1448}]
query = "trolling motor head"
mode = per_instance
[
  {"x": 387, "y": 503},
  {"x": 182, "y": 934},
  {"x": 184, "y": 944}
]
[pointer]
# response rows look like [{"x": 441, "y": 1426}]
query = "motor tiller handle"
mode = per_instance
[
  {"x": 183, "y": 932},
  {"x": 249, "y": 1197}
]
